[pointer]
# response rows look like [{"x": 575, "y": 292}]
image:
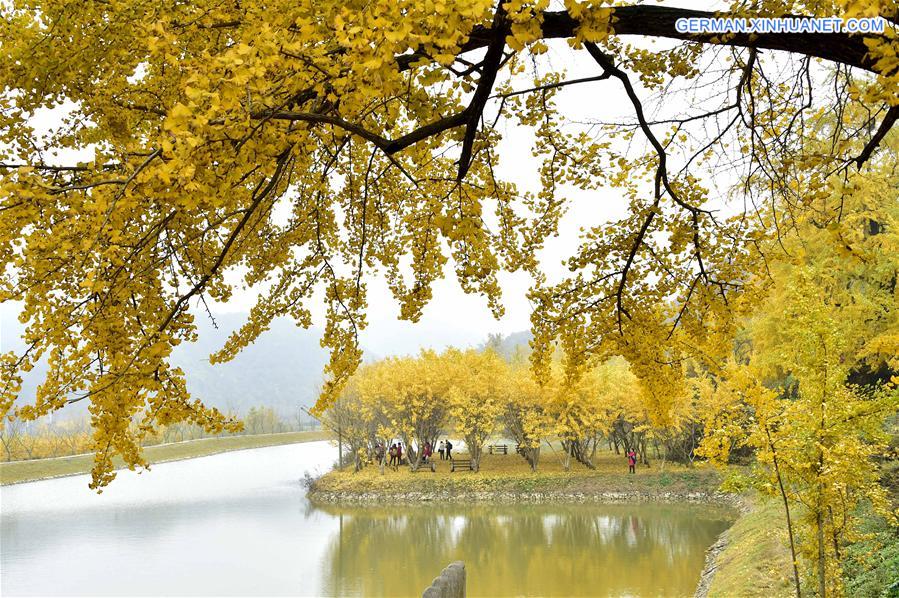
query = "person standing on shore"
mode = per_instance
[{"x": 631, "y": 461}]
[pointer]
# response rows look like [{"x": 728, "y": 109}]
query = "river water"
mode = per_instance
[{"x": 238, "y": 523}]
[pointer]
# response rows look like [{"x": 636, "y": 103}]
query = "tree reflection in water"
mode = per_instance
[{"x": 570, "y": 550}]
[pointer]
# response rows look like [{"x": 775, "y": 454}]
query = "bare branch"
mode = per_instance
[{"x": 885, "y": 125}]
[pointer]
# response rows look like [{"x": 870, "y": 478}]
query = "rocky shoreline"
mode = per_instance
[
  {"x": 711, "y": 565},
  {"x": 714, "y": 551}
]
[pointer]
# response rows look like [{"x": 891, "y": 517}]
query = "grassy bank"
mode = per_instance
[
  {"x": 511, "y": 474},
  {"x": 756, "y": 560},
  {"x": 37, "y": 469}
]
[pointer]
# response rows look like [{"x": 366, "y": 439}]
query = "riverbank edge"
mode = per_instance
[
  {"x": 509, "y": 496},
  {"x": 264, "y": 441},
  {"x": 712, "y": 554}
]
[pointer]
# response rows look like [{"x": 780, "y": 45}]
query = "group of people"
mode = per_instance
[
  {"x": 395, "y": 453},
  {"x": 445, "y": 450}
]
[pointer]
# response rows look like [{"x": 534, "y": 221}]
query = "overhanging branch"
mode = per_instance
[
  {"x": 659, "y": 21},
  {"x": 885, "y": 125}
]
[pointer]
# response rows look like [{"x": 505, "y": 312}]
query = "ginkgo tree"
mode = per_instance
[
  {"x": 409, "y": 398},
  {"x": 526, "y": 416},
  {"x": 477, "y": 397},
  {"x": 814, "y": 384},
  {"x": 309, "y": 145}
]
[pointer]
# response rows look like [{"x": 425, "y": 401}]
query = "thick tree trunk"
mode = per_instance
[
  {"x": 532, "y": 456},
  {"x": 579, "y": 452},
  {"x": 414, "y": 458},
  {"x": 565, "y": 458}
]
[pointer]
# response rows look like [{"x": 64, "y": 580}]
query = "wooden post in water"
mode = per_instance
[{"x": 449, "y": 584}]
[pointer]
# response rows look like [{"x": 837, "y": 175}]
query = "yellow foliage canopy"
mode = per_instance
[{"x": 307, "y": 144}]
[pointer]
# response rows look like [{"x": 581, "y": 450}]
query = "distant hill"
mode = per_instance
[
  {"x": 282, "y": 370},
  {"x": 508, "y": 345}
]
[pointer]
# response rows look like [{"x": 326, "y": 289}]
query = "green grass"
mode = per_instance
[
  {"x": 756, "y": 560},
  {"x": 37, "y": 469},
  {"x": 870, "y": 565}
]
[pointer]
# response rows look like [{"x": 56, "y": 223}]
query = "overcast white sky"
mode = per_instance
[{"x": 454, "y": 318}]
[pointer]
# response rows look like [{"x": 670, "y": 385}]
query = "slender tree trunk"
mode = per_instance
[
  {"x": 822, "y": 569},
  {"x": 783, "y": 495},
  {"x": 565, "y": 460},
  {"x": 6, "y": 447},
  {"x": 382, "y": 461},
  {"x": 819, "y": 506},
  {"x": 835, "y": 534},
  {"x": 641, "y": 449}
]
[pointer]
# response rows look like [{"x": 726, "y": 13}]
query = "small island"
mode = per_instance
[{"x": 508, "y": 478}]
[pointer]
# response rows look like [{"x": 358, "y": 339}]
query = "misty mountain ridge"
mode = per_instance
[{"x": 283, "y": 369}]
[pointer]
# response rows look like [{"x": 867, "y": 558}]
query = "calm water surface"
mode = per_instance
[{"x": 238, "y": 524}]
